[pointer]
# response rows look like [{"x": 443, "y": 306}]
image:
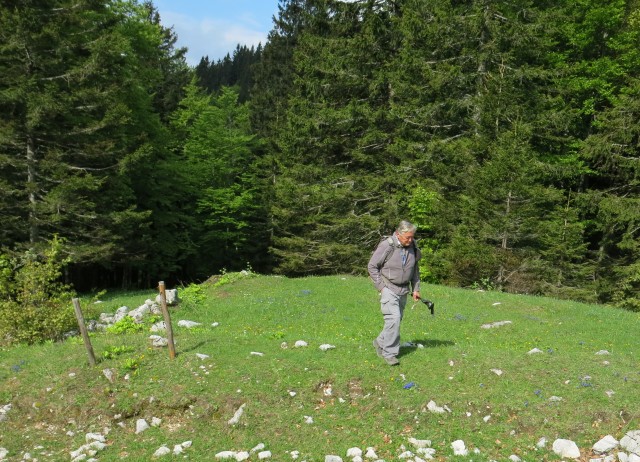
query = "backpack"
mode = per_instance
[{"x": 392, "y": 247}]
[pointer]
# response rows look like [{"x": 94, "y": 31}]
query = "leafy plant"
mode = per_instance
[
  {"x": 126, "y": 325},
  {"x": 34, "y": 304},
  {"x": 113, "y": 352}
]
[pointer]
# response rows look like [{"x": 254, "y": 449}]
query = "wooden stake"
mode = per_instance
[
  {"x": 167, "y": 320},
  {"x": 83, "y": 331}
]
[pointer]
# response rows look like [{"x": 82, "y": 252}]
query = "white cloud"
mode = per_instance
[{"x": 213, "y": 38}]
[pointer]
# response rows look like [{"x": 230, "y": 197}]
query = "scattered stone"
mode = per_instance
[
  {"x": 242, "y": 455},
  {"x": 332, "y": 459},
  {"x": 495, "y": 324},
  {"x": 264, "y": 455},
  {"x": 486, "y": 418},
  {"x": 158, "y": 341},
  {"x": 170, "y": 296},
  {"x": 602, "y": 352},
  {"x": 294, "y": 454},
  {"x": 498, "y": 372},
  {"x": 354, "y": 452},
  {"x": 326, "y": 346},
  {"x": 158, "y": 327},
  {"x": 155, "y": 422},
  {"x": 110, "y": 374},
  {"x": 630, "y": 442},
  {"x": 90, "y": 437},
  {"x": 162, "y": 451},
  {"x": 534, "y": 351},
  {"x": 542, "y": 442},
  {"x": 3, "y": 453},
  {"x": 257, "y": 448},
  {"x": 141, "y": 425},
  {"x": 308, "y": 419},
  {"x": 459, "y": 448},
  {"x": 566, "y": 448},
  {"x": 120, "y": 313},
  {"x": 215, "y": 324},
  {"x": 406, "y": 455},
  {"x": 188, "y": 324},
  {"x": 514, "y": 458},
  {"x": 420, "y": 443},
  {"x": 428, "y": 453},
  {"x": 497, "y": 303},
  {"x": 433, "y": 407},
  {"x": 256, "y": 353},
  {"x": 555, "y": 399},
  {"x": 202, "y": 356},
  {"x": 225, "y": 455},
  {"x": 606, "y": 444},
  {"x": 236, "y": 417},
  {"x": 371, "y": 453},
  {"x": 139, "y": 313},
  {"x": 284, "y": 345},
  {"x": 300, "y": 344}
]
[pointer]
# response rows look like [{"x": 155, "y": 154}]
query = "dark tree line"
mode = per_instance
[{"x": 507, "y": 131}]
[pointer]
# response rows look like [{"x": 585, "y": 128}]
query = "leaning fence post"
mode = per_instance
[
  {"x": 83, "y": 331},
  {"x": 167, "y": 320}
]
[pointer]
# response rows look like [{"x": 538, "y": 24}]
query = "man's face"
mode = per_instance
[{"x": 405, "y": 238}]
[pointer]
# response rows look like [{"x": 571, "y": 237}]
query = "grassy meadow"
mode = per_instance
[{"x": 324, "y": 402}]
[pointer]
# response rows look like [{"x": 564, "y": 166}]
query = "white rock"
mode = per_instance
[
  {"x": 630, "y": 442},
  {"x": 186, "y": 444},
  {"x": 236, "y": 417},
  {"x": 202, "y": 356},
  {"x": 623, "y": 457},
  {"x": 159, "y": 326},
  {"x": 433, "y": 407},
  {"x": 498, "y": 372},
  {"x": 371, "y": 453},
  {"x": 354, "y": 452},
  {"x": 141, "y": 425},
  {"x": 534, "y": 351},
  {"x": 459, "y": 448},
  {"x": 264, "y": 455},
  {"x": 243, "y": 455},
  {"x": 420, "y": 443},
  {"x": 177, "y": 449},
  {"x": 294, "y": 454},
  {"x": 495, "y": 324},
  {"x": 555, "y": 399},
  {"x": 486, "y": 418},
  {"x": 110, "y": 374},
  {"x": 308, "y": 419},
  {"x": 406, "y": 455},
  {"x": 158, "y": 341},
  {"x": 497, "y": 303},
  {"x": 215, "y": 324},
  {"x": 97, "y": 445},
  {"x": 357, "y": 459},
  {"x": 256, "y": 353},
  {"x": 610, "y": 393},
  {"x": 188, "y": 324},
  {"x": 429, "y": 453},
  {"x": 602, "y": 352},
  {"x": 162, "y": 451},
  {"x": 225, "y": 455},
  {"x": 326, "y": 346},
  {"x": 300, "y": 344},
  {"x": 514, "y": 458},
  {"x": 606, "y": 444},
  {"x": 89, "y": 437},
  {"x": 257, "y": 448},
  {"x": 284, "y": 345},
  {"x": 542, "y": 442},
  {"x": 633, "y": 458},
  {"x": 566, "y": 448},
  {"x": 155, "y": 422},
  {"x": 332, "y": 458}
]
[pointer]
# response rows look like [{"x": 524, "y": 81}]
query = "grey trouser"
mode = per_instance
[{"x": 392, "y": 307}]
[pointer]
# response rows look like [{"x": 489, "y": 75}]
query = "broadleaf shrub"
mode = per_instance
[{"x": 34, "y": 304}]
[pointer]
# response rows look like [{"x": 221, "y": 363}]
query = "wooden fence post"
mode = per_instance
[
  {"x": 83, "y": 331},
  {"x": 167, "y": 320}
]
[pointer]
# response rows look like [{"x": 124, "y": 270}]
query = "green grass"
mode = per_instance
[{"x": 368, "y": 406}]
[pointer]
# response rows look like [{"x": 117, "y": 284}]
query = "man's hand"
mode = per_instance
[{"x": 416, "y": 296}]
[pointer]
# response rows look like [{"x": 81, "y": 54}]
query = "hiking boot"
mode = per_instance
[
  {"x": 377, "y": 347},
  {"x": 392, "y": 361}
]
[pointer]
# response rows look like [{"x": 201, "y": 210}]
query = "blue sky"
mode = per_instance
[{"x": 214, "y": 27}]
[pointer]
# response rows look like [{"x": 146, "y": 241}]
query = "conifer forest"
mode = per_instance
[{"x": 508, "y": 131}]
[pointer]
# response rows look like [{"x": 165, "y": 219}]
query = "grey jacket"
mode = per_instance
[{"x": 393, "y": 274}]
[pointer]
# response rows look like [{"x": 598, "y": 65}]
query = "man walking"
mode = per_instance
[{"x": 393, "y": 268}]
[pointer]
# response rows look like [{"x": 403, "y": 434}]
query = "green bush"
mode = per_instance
[
  {"x": 126, "y": 325},
  {"x": 34, "y": 305}
]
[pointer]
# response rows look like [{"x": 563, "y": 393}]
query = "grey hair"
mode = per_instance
[{"x": 406, "y": 227}]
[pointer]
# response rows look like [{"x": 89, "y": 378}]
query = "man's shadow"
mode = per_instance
[{"x": 409, "y": 347}]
